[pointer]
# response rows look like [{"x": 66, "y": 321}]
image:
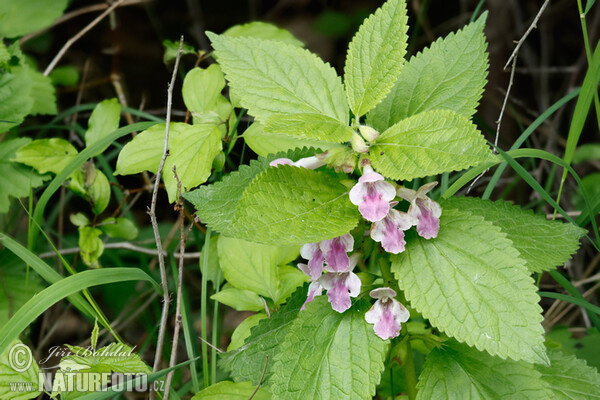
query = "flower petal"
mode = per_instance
[
  {"x": 309, "y": 162},
  {"x": 428, "y": 224},
  {"x": 335, "y": 252},
  {"x": 390, "y": 231},
  {"x": 281, "y": 161},
  {"x": 382, "y": 292},
  {"x": 315, "y": 289}
]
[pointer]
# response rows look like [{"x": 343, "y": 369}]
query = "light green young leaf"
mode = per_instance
[
  {"x": 94, "y": 337},
  {"x": 47, "y": 155},
  {"x": 17, "y": 286},
  {"x": 9, "y": 376},
  {"x": 472, "y": 284},
  {"x": 309, "y": 126},
  {"x": 145, "y": 150},
  {"x": 239, "y": 299},
  {"x": 242, "y": 331},
  {"x": 15, "y": 101},
  {"x": 265, "y": 143},
  {"x": 570, "y": 378},
  {"x": 375, "y": 57},
  {"x": 263, "y": 30},
  {"x": 79, "y": 219},
  {"x": 254, "y": 267},
  {"x": 66, "y": 75},
  {"x": 272, "y": 77},
  {"x": 290, "y": 278},
  {"x": 103, "y": 121},
  {"x": 291, "y": 205},
  {"x": 543, "y": 244},
  {"x": 119, "y": 228},
  {"x": 459, "y": 372},
  {"x": 18, "y": 18},
  {"x": 429, "y": 143},
  {"x": 16, "y": 180},
  {"x": 449, "y": 75},
  {"x": 327, "y": 355},
  {"x": 213, "y": 272},
  {"x": 42, "y": 93},
  {"x": 172, "y": 48},
  {"x": 90, "y": 245},
  {"x": 247, "y": 362},
  {"x": 227, "y": 390},
  {"x": 98, "y": 192},
  {"x": 202, "y": 88}
]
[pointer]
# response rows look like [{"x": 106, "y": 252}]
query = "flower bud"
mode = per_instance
[
  {"x": 358, "y": 144},
  {"x": 368, "y": 133}
]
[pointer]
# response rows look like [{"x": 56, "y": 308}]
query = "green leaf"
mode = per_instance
[
  {"x": 309, "y": 126},
  {"x": 239, "y": 299},
  {"x": 15, "y": 180},
  {"x": 459, "y": 372},
  {"x": 265, "y": 143},
  {"x": 103, "y": 121},
  {"x": 47, "y": 155},
  {"x": 328, "y": 355},
  {"x": 255, "y": 267},
  {"x": 9, "y": 376},
  {"x": 17, "y": 18},
  {"x": 213, "y": 269},
  {"x": 202, "y": 88},
  {"x": 42, "y": 93},
  {"x": 272, "y": 77},
  {"x": 375, "y": 57},
  {"x": 17, "y": 286},
  {"x": 471, "y": 283},
  {"x": 144, "y": 151},
  {"x": 94, "y": 337},
  {"x": 543, "y": 244},
  {"x": 66, "y": 75},
  {"x": 242, "y": 331},
  {"x": 227, "y": 390},
  {"x": 98, "y": 192},
  {"x": 90, "y": 245},
  {"x": 263, "y": 30},
  {"x": 585, "y": 347},
  {"x": 172, "y": 48},
  {"x": 586, "y": 152},
  {"x": 119, "y": 228},
  {"x": 290, "y": 205},
  {"x": 15, "y": 101},
  {"x": 429, "y": 143},
  {"x": 570, "y": 378},
  {"x": 247, "y": 362},
  {"x": 450, "y": 74}
]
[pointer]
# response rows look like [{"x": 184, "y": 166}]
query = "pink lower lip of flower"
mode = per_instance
[
  {"x": 335, "y": 252},
  {"x": 372, "y": 194},
  {"x": 390, "y": 231},
  {"x": 341, "y": 286},
  {"x": 386, "y": 314}
]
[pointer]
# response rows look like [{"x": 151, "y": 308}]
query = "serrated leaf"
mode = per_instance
[
  {"x": 47, "y": 155},
  {"x": 254, "y": 267},
  {"x": 202, "y": 88},
  {"x": 265, "y": 143},
  {"x": 42, "y": 93},
  {"x": 16, "y": 180},
  {"x": 239, "y": 299},
  {"x": 263, "y": 30},
  {"x": 375, "y": 57},
  {"x": 543, "y": 244},
  {"x": 585, "y": 348},
  {"x": 90, "y": 245},
  {"x": 291, "y": 205},
  {"x": 232, "y": 391},
  {"x": 471, "y": 283},
  {"x": 18, "y": 18},
  {"x": 104, "y": 120},
  {"x": 328, "y": 355},
  {"x": 119, "y": 228},
  {"x": 450, "y": 74},
  {"x": 9, "y": 376},
  {"x": 570, "y": 378},
  {"x": 247, "y": 362},
  {"x": 460, "y": 372},
  {"x": 242, "y": 331},
  {"x": 272, "y": 77},
  {"x": 427, "y": 144},
  {"x": 309, "y": 126},
  {"x": 15, "y": 101},
  {"x": 17, "y": 286}
]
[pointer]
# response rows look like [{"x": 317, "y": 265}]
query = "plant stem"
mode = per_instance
[
  {"x": 588, "y": 54},
  {"x": 203, "y": 306},
  {"x": 386, "y": 273},
  {"x": 409, "y": 370},
  {"x": 214, "y": 336}
]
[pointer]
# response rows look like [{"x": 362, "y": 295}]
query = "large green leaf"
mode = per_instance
[
  {"x": 47, "y": 155},
  {"x": 227, "y": 390},
  {"x": 272, "y": 77},
  {"x": 429, "y": 143},
  {"x": 202, "y": 88},
  {"x": 103, "y": 121},
  {"x": 15, "y": 180},
  {"x": 242, "y": 331},
  {"x": 329, "y": 355},
  {"x": 263, "y": 30},
  {"x": 264, "y": 143},
  {"x": 309, "y": 126},
  {"x": 291, "y": 205},
  {"x": 239, "y": 299},
  {"x": 459, "y": 372},
  {"x": 18, "y": 18},
  {"x": 375, "y": 57},
  {"x": 472, "y": 284},
  {"x": 543, "y": 244},
  {"x": 26, "y": 382},
  {"x": 42, "y": 93},
  {"x": 570, "y": 378},
  {"x": 449, "y": 75},
  {"x": 15, "y": 101},
  {"x": 247, "y": 362}
]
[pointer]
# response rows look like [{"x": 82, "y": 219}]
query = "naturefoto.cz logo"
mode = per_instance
[{"x": 74, "y": 376}]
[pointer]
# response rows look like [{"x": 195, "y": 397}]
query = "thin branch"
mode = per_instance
[
  {"x": 123, "y": 246},
  {"x": 78, "y": 36},
  {"x": 152, "y": 213},
  {"x": 210, "y": 344},
  {"x": 527, "y": 32},
  {"x": 261, "y": 377}
]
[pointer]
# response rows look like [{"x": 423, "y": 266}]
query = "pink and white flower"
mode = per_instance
[
  {"x": 390, "y": 230},
  {"x": 308, "y": 162},
  {"x": 332, "y": 251},
  {"x": 424, "y": 211},
  {"x": 372, "y": 194},
  {"x": 387, "y": 313},
  {"x": 341, "y": 286}
]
